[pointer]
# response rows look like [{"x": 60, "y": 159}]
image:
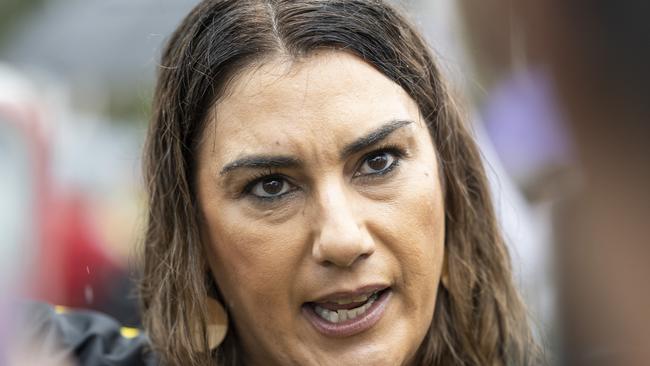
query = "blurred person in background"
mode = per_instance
[
  {"x": 53, "y": 224},
  {"x": 51, "y": 250},
  {"x": 77, "y": 225},
  {"x": 595, "y": 56},
  {"x": 599, "y": 54}
]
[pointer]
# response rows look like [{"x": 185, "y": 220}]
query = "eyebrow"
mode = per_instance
[
  {"x": 260, "y": 161},
  {"x": 282, "y": 161},
  {"x": 373, "y": 137}
]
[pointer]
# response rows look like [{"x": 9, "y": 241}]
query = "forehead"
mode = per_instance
[{"x": 322, "y": 102}]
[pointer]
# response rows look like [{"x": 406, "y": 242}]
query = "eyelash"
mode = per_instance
[{"x": 397, "y": 152}]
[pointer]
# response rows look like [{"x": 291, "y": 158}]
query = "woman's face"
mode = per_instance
[{"x": 323, "y": 213}]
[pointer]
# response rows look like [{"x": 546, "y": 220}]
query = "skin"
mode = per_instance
[{"x": 339, "y": 224}]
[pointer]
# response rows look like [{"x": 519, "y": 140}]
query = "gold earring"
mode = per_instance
[{"x": 217, "y": 323}]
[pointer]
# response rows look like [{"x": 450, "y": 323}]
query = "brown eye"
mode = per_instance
[
  {"x": 270, "y": 187},
  {"x": 377, "y": 163}
]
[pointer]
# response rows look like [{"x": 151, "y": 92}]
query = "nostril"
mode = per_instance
[{"x": 342, "y": 259}]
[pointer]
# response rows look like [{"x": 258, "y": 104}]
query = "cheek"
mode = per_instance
[
  {"x": 426, "y": 233},
  {"x": 412, "y": 229},
  {"x": 422, "y": 262},
  {"x": 251, "y": 261}
]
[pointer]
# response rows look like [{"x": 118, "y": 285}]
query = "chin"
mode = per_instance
[
  {"x": 380, "y": 350},
  {"x": 378, "y": 358},
  {"x": 371, "y": 356}
]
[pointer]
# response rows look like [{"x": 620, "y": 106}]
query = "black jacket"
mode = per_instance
[{"x": 90, "y": 338}]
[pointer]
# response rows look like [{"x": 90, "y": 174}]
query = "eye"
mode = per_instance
[
  {"x": 377, "y": 163},
  {"x": 270, "y": 187}
]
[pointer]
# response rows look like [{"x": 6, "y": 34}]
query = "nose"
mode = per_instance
[{"x": 342, "y": 238}]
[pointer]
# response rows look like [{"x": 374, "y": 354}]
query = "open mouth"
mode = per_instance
[
  {"x": 342, "y": 310},
  {"x": 345, "y": 315}
]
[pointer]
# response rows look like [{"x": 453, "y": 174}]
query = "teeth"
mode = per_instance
[
  {"x": 342, "y": 315},
  {"x": 353, "y": 313},
  {"x": 333, "y": 316}
]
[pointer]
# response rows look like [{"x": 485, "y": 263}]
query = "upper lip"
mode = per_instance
[{"x": 346, "y": 294}]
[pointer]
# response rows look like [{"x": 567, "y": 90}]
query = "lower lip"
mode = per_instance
[{"x": 353, "y": 326}]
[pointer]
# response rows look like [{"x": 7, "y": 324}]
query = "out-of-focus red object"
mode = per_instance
[
  {"x": 68, "y": 264},
  {"x": 70, "y": 235}
]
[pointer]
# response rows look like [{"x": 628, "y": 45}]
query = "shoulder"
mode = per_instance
[{"x": 90, "y": 338}]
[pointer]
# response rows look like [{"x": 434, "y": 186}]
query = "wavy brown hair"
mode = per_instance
[{"x": 479, "y": 318}]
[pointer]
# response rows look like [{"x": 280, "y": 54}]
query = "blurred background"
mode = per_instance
[{"x": 557, "y": 93}]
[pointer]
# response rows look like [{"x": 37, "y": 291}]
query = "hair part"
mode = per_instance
[{"x": 479, "y": 318}]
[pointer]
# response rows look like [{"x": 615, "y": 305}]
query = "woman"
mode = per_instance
[{"x": 315, "y": 197}]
